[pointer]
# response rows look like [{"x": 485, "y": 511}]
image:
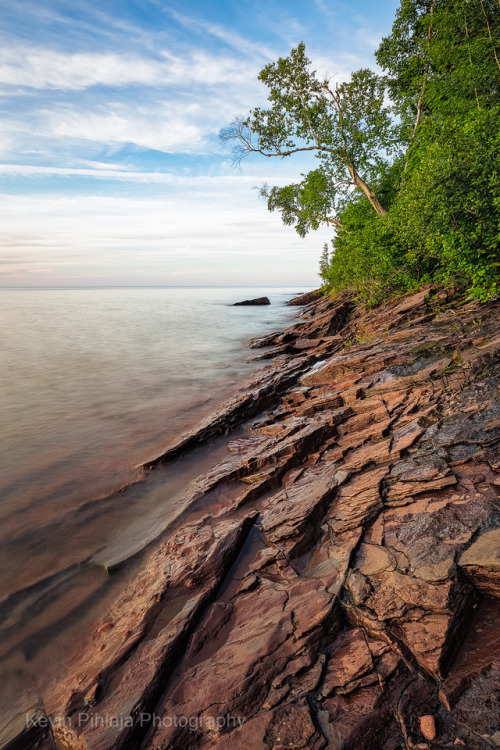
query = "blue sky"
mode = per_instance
[{"x": 111, "y": 171}]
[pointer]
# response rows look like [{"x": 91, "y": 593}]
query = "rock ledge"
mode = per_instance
[{"x": 338, "y": 586}]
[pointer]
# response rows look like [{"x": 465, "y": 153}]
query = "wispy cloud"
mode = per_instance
[
  {"x": 235, "y": 40},
  {"x": 102, "y": 172},
  {"x": 108, "y": 130},
  {"x": 174, "y": 132},
  {"x": 42, "y": 68},
  {"x": 174, "y": 103},
  {"x": 49, "y": 69}
]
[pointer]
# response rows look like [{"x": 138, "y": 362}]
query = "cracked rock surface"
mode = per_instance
[{"x": 345, "y": 586}]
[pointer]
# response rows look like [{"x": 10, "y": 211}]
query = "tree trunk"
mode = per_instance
[{"x": 374, "y": 201}]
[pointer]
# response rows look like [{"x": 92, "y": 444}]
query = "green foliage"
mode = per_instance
[
  {"x": 324, "y": 264},
  {"x": 443, "y": 224},
  {"x": 446, "y": 50},
  {"x": 413, "y": 189},
  {"x": 306, "y": 204},
  {"x": 348, "y": 128}
]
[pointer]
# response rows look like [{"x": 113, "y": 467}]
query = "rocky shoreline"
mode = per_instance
[{"x": 336, "y": 580}]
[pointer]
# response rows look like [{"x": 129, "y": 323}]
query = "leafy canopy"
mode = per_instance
[
  {"x": 407, "y": 167},
  {"x": 347, "y": 127}
]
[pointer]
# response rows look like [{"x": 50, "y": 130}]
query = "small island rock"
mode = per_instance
[{"x": 256, "y": 301}]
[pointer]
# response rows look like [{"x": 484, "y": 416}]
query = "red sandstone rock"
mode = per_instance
[
  {"x": 357, "y": 501},
  {"x": 306, "y": 298},
  {"x": 347, "y": 539},
  {"x": 428, "y": 727},
  {"x": 481, "y": 562}
]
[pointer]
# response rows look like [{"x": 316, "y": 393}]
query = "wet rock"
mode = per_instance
[
  {"x": 256, "y": 301},
  {"x": 306, "y": 298},
  {"x": 136, "y": 665},
  {"x": 371, "y": 488}
]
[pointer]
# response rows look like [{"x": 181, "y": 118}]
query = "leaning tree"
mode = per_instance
[{"x": 347, "y": 126}]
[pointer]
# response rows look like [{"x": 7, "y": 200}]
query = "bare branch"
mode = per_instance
[
  {"x": 239, "y": 131},
  {"x": 309, "y": 123}
]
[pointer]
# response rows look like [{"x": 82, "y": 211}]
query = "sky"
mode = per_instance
[{"x": 111, "y": 169}]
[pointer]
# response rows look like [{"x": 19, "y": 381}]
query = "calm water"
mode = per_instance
[{"x": 93, "y": 382}]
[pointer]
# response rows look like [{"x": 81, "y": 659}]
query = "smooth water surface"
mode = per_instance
[{"x": 94, "y": 382}]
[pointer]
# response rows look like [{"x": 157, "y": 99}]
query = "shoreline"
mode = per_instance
[
  {"x": 273, "y": 567},
  {"x": 69, "y": 476}
]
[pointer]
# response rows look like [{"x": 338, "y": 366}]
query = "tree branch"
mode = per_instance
[
  {"x": 422, "y": 90},
  {"x": 489, "y": 32},
  {"x": 324, "y": 219},
  {"x": 309, "y": 123}
]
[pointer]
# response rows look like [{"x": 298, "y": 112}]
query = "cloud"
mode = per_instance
[
  {"x": 5, "y": 141},
  {"x": 49, "y": 69},
  {"x": 91, "y": 95},
  {"x": 227, "y": 35},
  {"x": 174, "y": 132},
  {"x": 174, "y": 103},
  {"x": 117, "y": 237},
  {"x": 102, "y": 172},
  {"x": 42, "y": 68}
]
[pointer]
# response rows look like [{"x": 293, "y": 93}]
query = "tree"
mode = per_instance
[
  {"x": 443, "y": 220},
  {"x": 442, "y": 63},
  {"x": 347, "y": 127},
  {"x": 414, "y": 198},
  {"x": 324, "y": 264}
]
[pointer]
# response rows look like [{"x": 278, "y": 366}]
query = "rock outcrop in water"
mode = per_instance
[
  {"x": 337, "y": 583},
  {"x": 256, "y": 301}
]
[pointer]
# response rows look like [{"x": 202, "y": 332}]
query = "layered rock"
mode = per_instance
[
  {"x": 481, "y": 562},
  {"x": 334, "y": 587}
]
